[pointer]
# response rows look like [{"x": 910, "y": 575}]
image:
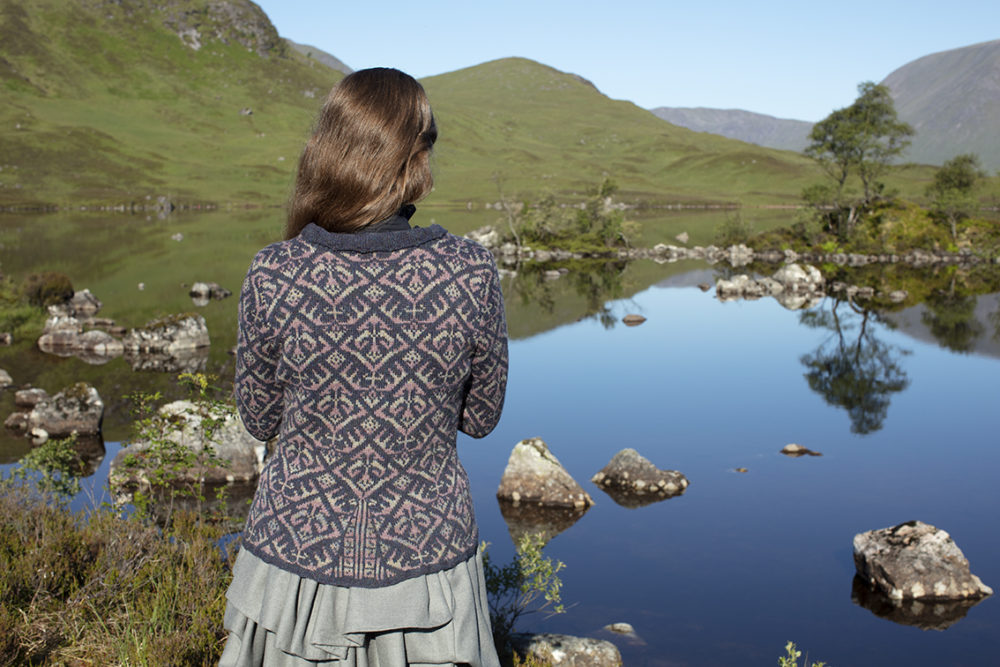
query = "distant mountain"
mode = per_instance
[
  {"x": 754, "y": 128},
  {"x": 321, "y": 56},
  {"x": 952, "y": 99}
]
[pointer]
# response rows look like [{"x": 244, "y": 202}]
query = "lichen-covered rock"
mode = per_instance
[
  {"x": 566, "y": 650},
  {"x": 76, "y": 409},
  {"x": 632, "y": 480},
  {"x": 5, "y": 379},
  {"x": 534, "y": 475},
  {"x": 238, "y": 456},
  {"x": 84, "y": 304},
  {"x": 169, "y": 335},
  {"x": 917, "y": 561}
]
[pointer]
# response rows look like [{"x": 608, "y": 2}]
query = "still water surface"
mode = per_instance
[{"x": 742, "y": 562}]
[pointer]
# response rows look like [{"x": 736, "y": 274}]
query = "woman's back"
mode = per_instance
[{"x": 360, "y": 355}]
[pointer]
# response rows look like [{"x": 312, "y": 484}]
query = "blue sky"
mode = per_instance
[{"x": 787, "y": 59}]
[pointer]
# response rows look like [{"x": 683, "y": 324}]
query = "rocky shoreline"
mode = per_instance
[{"x": 508, "y": 253}]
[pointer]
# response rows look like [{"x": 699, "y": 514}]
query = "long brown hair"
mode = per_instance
[{"x": 369, "y": 153}]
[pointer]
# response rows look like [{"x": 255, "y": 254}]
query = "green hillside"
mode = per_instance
[
  {"x": 545, "y": 129},
  {"x": 111, "y": 102},
  {"x": 121, "y": 102}
]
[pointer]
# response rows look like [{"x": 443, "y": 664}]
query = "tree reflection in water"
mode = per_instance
[
  {"x": 859, "y": 373},
  {"x": 951, "y": 319},
  {"x": 597, "y": 282}
]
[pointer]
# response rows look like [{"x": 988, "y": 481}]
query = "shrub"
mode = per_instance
[
  {"x": 48, "y": 288},
  {"x": 528, "y": 584}
]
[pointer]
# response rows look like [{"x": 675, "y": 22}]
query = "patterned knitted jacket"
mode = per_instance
[{"x": 365, "y": 353}]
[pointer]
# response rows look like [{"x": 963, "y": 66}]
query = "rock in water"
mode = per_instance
[
  {"x": 633, "y": 320},
  {"x": 567, "y": 651},
  {"x": 795, "y": 450},
  {"x": 76, "y": 409},
  {"x": 632, "y": 480},
  {"x": 239, "y": 454},
  {"x": 915, "y": 561},
  {"x": 534, "y": 475},
  {"x": 169, "y": 335},
  {"x": 205, "y": 290}
]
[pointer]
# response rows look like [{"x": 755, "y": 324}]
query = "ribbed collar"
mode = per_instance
[{"x": 391, "y": 234}]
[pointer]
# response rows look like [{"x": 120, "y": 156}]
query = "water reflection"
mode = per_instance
[
  {"x": 951, "y": 318},
  {"x": 858, "y": 373},
  {"x": 533, "y": 287},
  {"x": 524, "y": 519},
  {"x": 926, "y": 615}
]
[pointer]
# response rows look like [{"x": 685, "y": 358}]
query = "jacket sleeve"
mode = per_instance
[
  {"x": 259, "y": 394},
  {"x": 487, "y": 383}
]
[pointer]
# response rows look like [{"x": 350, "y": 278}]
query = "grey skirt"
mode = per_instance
[{"x": 279, "y": 619}]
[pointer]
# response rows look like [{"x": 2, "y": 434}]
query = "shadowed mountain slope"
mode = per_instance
[
  {"x": 755, "y": 128},
  {"x": 952, "y": 99}
]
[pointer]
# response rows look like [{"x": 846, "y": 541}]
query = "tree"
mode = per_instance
[
  {"x": 953, "y": 191},
  {"x": 862, "y": 140}
]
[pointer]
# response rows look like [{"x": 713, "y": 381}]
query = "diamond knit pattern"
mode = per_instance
[{"x": 365, "y": 353}]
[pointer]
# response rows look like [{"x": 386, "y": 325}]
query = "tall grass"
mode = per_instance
[{"x": 107, "y": 589}]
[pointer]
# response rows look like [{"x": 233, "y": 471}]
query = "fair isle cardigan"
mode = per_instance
[{"x": 365, "y": 353}]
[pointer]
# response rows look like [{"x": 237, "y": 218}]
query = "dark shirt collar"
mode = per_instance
[
  {"x": 396, "y": 223},
  {"x": 387, "y": 235}
]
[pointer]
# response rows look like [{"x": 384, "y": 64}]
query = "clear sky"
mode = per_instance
[{"x": 787, "y": 58}]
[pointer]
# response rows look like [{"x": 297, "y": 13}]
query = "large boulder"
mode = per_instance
[
  {"x": 76, "y": 409},
  {"x": 566, "y": 650},
  {"x": 632, "y": 480},
  {"x": 226, "y": 452},
  {"x": 915, "y": 561},
  {"x": 169, "y": 335},
  {"x": 534, "y": 475}
]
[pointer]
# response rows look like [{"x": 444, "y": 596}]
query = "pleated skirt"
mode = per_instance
[{"x": 279, "y": 619}]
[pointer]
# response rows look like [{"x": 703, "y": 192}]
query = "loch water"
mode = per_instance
[{"x": 904, "y": 407}]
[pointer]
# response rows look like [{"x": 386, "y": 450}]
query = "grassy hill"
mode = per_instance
[
  {"x": 118, "y": 103},
  {"x": 545, "y": 129},
  {"x": 106, "y": 102}
]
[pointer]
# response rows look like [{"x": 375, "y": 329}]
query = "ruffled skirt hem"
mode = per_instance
[{"x": 279, "y": 619}]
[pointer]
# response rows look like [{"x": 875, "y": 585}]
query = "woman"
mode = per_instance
[{"x": 365, "y": 344}]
